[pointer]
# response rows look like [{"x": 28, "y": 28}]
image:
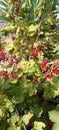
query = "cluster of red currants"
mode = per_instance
[
  {"x": 17, "y": 9},
  {"x": 52, "y": 70},
  {"x": 12, "y": 62},
  {"x": 36, "y": 50}
]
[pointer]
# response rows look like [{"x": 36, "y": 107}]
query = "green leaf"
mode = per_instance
[
  {"x": 38, "y": 126},
  {"x": 32, "y": 28},
  {"x": 4, "y": 85},
  {"x": 13, "y": 119},
  {"x": 51, "y": 90},
  {"x": 14, "y": 128},
  {"x": 5, "y": 105},
  {"x": 26, "y": 118},
  {"x": 54, "y": 117},
  {"x": 36, "y": 109},
  {"x": 12, "y": 122}
]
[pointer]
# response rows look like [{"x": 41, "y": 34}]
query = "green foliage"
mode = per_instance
[
  {"x": 3, "y": 10},
  {"x": 5, "y": 105},
  {"x": 14, "y": 122},
  {"x": 54, "y": 117},
  {"x": 29, "y": 65},
  {"x": 26, "y": 118},
  {"x": 51, "y": 90},
  {"x": 38, "y": 126}
]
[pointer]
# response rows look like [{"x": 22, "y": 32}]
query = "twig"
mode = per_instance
[
  {"x": 24, "y": 126},
  {"x": 40, "y": 82}
]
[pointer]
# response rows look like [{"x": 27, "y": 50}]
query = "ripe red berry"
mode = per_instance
[
  {"x": 16, "y": 1},
  {"x": 48, "y": 75},
  {"x": 12, "y": 60},
  {"x": 13, "y": 38},
  {"x": 35, "y": 80},
  {"x": 2, "y": 54},
  {"x": 40, "y": 47},
  {"x": 44, "y": 64},
  {"x": 56, "y": 70},
  {"x": 13, "y": 75},
  {"x": 34, "y": 52},
  {"x": 11, "y": 17},
  {"x": 5, "y": 74},
  {"x": 17, "y": 10}
]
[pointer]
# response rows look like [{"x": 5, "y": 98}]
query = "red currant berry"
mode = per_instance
[
  {"x": 17, "y": 10},
  {"x": 35, "y": 80},
  {"x": 16, "y": 1},
  {"x": 5, "y": 74},
  {"x": 40, "y": 47},
  {"x": 13, "y": 38},
  {"x": 11, "y": 17},
  {"x": 48, "y": 75},
  {"x": 56, "y": 70},
  {"x": 44, "y": 64}
]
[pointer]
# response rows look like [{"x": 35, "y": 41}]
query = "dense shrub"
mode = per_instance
[{"x": 29, "y": 67}]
